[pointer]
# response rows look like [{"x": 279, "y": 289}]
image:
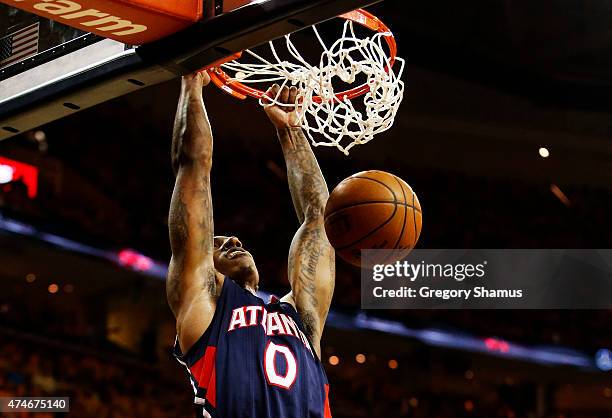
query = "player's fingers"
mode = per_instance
[
  {"x": 271, "y": 93},
  {"x": 284, "y": 97},
  {"x": 293, "y": 91}
]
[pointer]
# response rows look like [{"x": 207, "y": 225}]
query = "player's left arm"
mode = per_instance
[{"x": 311, "y": 264}]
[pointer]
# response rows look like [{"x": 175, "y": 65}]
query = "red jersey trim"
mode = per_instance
[
  {"x": 203, "y": 371},
  {"x": 327, "y": 410}
]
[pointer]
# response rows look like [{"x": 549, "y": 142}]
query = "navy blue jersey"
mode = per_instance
[{"x": 255, "y": 361}]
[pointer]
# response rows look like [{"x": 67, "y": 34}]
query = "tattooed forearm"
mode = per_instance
[
  {"x": 308, "y": 189},
  {"x": 190, "y": 221},
  {"x": 192, "y": 136}
]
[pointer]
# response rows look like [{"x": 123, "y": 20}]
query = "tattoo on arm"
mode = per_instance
[
  {"x": 306, "y": 183},
  {"x": 312, "y": 259},
  {"x": 191, "y": 215}
]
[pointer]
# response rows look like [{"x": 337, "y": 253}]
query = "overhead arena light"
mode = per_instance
[
  {"x": 6, "y": 173},
  {"x": 11, "y": 170}
]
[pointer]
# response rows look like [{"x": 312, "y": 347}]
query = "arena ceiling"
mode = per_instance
[{"x": 558, "y": 52}]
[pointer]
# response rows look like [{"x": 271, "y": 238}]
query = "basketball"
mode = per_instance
[{"x": 372, "y": 209}]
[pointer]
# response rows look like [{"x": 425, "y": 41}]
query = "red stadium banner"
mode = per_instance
[{"x": 132, "y": 22}]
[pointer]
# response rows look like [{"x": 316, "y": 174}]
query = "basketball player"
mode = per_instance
[{"x": 247, "y": 358}]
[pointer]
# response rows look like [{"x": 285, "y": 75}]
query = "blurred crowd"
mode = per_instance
[
  {"x": 103, "y": 384},
  {"x": 98, "y": 384}
]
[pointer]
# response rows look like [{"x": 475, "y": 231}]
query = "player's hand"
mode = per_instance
[
  {"x": 198, "y": 79},
  {"x": 283, "y": 117}
]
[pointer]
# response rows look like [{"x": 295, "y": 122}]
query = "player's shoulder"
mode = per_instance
[{"x": 288, "y": 298}]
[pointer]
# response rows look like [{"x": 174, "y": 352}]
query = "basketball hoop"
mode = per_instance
[{"x": 329, "y": 118}]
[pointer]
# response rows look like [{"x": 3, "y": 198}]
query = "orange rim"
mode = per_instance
[{"x": 359, "y": 16}]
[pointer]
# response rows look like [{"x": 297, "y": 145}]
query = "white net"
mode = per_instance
[{"x": 328, "y": 118}]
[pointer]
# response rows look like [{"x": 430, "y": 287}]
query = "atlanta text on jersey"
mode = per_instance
[{"x": 273, "y": 323}]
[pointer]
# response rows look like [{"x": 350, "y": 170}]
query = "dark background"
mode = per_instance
[{"x": 487, "y": 84}]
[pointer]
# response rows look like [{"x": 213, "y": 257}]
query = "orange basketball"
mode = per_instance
[{"x": 372, "y": 209}]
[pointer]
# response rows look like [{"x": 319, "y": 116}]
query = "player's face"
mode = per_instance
[{"x": 231, "y": 259}]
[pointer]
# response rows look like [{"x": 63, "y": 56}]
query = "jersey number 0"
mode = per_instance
[{"x": 274, "y": 378}]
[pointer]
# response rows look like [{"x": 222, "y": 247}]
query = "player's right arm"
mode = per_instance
[{"x": 191, "y": 286}]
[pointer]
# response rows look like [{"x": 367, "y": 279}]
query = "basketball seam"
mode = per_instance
[
  {"x": 415, "y": 223},
  {"x": 395, "y": 203},
  {"x": 373, "y": 202},
  {"x": 379, "y": 182},
  {"x": 401, "y": 234},
  {"x": 369, "y": 234},
  {"x": 405, "y": 213},
  {"x": 384, "y": 201}
]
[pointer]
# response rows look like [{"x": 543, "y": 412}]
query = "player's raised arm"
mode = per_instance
[
  {"x": 191, "y": 284},
  {"x": 311, "y": 257}
]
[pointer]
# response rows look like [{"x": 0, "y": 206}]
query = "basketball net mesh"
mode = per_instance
[{"x": 328, "y": 119}]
